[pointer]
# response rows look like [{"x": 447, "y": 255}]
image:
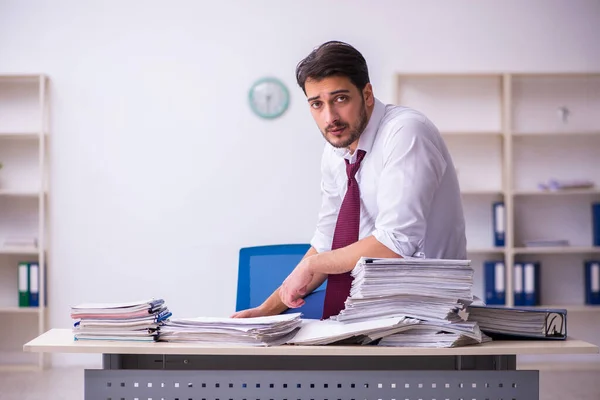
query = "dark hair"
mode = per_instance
[{"x": 330, "y": 59}]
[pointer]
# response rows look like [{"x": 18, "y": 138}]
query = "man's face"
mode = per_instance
[{"x": 338, "y": 108}]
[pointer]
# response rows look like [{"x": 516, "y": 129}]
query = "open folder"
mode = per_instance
[{"x": 501, "y": 322}]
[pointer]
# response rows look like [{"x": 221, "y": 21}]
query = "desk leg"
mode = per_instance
[
  {"x": 112, "y": 361},
  {"x": 496, "y": 363}
]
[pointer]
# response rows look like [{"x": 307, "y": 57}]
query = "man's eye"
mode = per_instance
[
  {"x": 315, "y": 104},
  {"x": 341, "y": 99}
]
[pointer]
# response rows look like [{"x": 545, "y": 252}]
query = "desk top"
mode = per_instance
[{"x": 61, "y": 341}]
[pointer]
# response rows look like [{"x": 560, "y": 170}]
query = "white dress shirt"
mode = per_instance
[{"x": 410, "y": 197}]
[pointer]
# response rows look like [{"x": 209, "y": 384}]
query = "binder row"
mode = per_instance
[
  {"x": 526, "y": 283},
  {"x": 29, "y": 284}
]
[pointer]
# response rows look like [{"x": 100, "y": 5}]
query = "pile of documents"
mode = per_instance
[
  {"x": 404, "y": 303},
  {"x": 257, "y": 331},
  {"x": 135, "y": 321},
  {"x": 426, "y": 289},
  {"x": 395, "y": 331},
  {"x": 431, "y": 334}
]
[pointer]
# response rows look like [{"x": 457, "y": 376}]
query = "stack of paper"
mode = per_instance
[
  {"x": 401, "y": 302},
  {"x": 316, "y": 332},
  {"x": 432, "y": 334},
  {"x": 258, "y": 331},
  {"x": 427, "y": 289},
  {"x": 397, "y": 331},
  {"x": 137, "y": 321}
]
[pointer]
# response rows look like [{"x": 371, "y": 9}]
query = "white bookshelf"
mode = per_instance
[
  {"x": 23, "y": 210},
  {"x": 507, "y": 134}
]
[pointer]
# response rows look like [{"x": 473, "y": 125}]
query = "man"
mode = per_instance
[{"x": 389, "y": 187}]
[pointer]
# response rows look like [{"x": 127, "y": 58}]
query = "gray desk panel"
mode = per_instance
[{"x": 309, "y": 385}]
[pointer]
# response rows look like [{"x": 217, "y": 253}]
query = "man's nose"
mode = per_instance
[{"x": 331, "y": 116}]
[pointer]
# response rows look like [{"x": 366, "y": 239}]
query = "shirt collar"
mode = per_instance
[{"x": 365, "y": 142}]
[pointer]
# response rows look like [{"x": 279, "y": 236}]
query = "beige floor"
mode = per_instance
[{"x": 67, "y": 384}]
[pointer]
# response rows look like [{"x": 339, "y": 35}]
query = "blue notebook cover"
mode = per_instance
[
  {"x": 498, "y": 220},
  {"x": 495, "y": 292},
  {"x": 531, "y": 283},
  {"x": 592, "y": 282},
  {"x": 518, "y": 284}
]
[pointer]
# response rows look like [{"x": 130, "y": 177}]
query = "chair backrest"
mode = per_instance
[{"x": 262, "y": 269}]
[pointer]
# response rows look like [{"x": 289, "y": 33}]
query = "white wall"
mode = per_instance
[{"x": 160, "y": 172}]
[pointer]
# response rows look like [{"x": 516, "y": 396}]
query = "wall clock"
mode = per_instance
[{"x": 269, "y": 98}]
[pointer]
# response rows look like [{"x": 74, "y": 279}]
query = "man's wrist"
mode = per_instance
[{"x": 311, "y": 263}]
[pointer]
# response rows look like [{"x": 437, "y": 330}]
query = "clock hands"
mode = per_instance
[{"x": 268, "y": 102}]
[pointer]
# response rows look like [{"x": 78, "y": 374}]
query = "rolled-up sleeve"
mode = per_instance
[
  {"x": 330, "y": 205},
  {"x": 412, "y": 171}
]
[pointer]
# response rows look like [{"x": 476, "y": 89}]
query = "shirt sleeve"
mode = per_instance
[
  {"x": 413, "y": 169},
  {"x": 330, "y": 205}
]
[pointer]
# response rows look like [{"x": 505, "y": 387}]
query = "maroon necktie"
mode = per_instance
[{"x": 346, "y": 233}]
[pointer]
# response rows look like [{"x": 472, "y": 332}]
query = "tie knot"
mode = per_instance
[{"x": 351, "y": 169}]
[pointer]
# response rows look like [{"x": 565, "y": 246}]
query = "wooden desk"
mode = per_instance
[{"x": 199, "y": 372}]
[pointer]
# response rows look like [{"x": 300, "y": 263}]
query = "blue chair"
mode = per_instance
[{"x": 262, "y": 269}]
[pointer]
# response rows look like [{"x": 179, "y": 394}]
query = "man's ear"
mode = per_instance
[{"x": 368, "y": 95}]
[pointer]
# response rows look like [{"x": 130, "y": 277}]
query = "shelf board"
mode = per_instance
[
  {"x": 557, "y": 250},
  {"x": 19, "y": 250},
  {"x": 489, "y": 250},
  {"x": 484, "y": 192},
  {"x": 20, "y": 193},
  {"x": 19, "y": 310},
  {"x": 471, "y": 133},
  {"x": 21, "y": 77},
  {"x": 557, "y": 133},
  {"x": 556, "y": 192},
  {"x": 19, "y": 135},
  {"x": 19, "y": 367}
]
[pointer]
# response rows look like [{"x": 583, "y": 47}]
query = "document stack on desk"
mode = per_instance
[
  {"x": 394, "y": 331},
  {"x": 402, "y": 302},
  {"x": 134, "y": 321},
  {"x": 434, "y": 334},
  {"x": 426, "y": 289},
  {"x": 258, "y": 331}
]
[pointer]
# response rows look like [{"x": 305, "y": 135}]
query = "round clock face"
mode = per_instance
[{"x": 269, "y": 98}]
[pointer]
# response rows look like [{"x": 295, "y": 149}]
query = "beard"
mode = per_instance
[{"x": 355, "y": 130}]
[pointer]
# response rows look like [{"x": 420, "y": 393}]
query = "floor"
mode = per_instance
[{"x": 67, "y": 384}]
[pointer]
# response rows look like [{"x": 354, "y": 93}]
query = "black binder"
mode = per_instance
[{"x": 501, "y": 322}]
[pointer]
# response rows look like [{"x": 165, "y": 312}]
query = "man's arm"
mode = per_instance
[
  {"x": 331, "y": 262},
  {"x": 344, "y": 259},
  {"x": 273, "y": 304}
]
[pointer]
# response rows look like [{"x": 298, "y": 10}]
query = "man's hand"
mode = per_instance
[
  {"x": 296, "y": 284},
  {"x": 251, "y": 312}
]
